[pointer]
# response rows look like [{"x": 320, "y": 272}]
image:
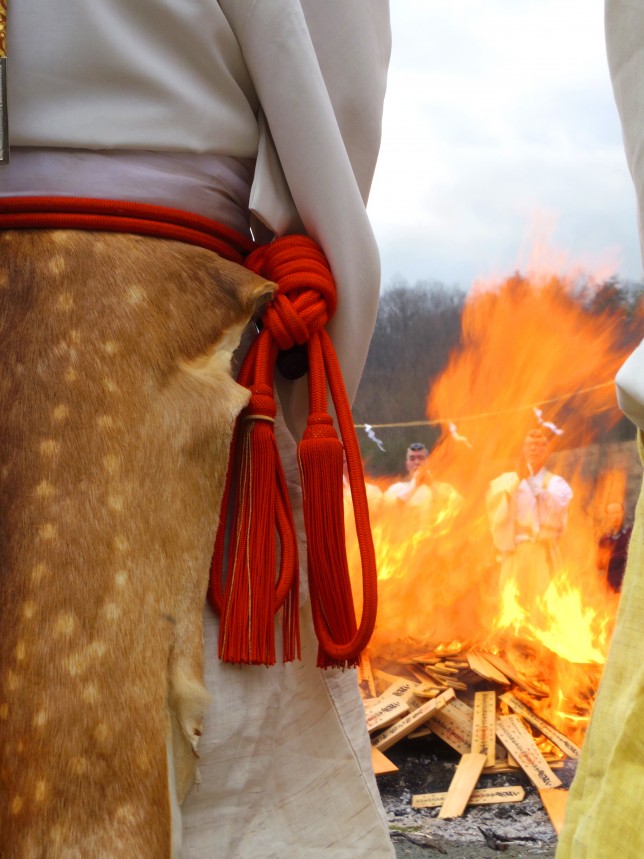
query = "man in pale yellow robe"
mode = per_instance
[{"x": 605, "y": 814}]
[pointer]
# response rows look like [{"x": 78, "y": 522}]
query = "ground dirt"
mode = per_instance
[
  {"x": 406, "y": 850},
  {"x": 511, "y": 831}
]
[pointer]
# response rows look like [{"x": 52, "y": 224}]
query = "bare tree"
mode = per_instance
[{"x": 417, "y": 328}]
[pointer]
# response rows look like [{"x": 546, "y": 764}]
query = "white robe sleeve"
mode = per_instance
[
  {"x": 552, "y": 507},
  {"x": 630, "y": 387},
  {"x": 625, "y": 47},
  {"x": 319, "y": 71}
]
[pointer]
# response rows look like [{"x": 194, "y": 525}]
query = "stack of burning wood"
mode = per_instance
[{"x": 469, "y": 700}]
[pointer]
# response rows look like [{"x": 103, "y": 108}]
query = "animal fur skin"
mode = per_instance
[{"x": 116, "y": 410}]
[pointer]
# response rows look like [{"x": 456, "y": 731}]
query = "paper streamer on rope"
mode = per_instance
[
  {"x": 457, "y": 436},
  {"x": 436, "y": 422},
  {"x": 453, "y": 429},
  {"x": 547, "y": 424},
  {"x": 369, "y": 430}
]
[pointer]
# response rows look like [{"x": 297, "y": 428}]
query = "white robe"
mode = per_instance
[{"x": 535, "y": 508}]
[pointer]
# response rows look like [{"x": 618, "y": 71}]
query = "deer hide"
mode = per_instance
[{"x": 116, "y": 411}]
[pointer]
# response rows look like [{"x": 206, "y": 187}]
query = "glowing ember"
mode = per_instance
[{"x": 525, "y": 346}]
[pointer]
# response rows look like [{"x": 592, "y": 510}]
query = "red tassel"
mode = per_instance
[
  {"x": 251, "y": 598},
  {"x": 320, "y": 457},
  {"x": 297, "y": 314},
  {"x": 245, "y": 633},
  {"x": 287, "y": 592}
]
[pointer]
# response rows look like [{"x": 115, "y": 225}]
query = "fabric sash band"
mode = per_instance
[{"x": 256, "y": 500}]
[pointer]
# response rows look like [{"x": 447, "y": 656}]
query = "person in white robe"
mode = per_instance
[
  {"x": 527, "y": 511},
  {"x": 421, "y": 491},
  {"x": 262, "y": 115}
]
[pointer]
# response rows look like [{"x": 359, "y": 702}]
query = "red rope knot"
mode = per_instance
[{"x": 306, "y": 298}]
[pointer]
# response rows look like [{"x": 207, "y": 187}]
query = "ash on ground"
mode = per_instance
[{"x": 426, "y": 765}]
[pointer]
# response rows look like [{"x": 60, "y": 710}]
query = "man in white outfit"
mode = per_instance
[
  {"x": 421, "y": 490},
  {"x": 262, "y": 115},
  {"x": 528, "y": 511}
]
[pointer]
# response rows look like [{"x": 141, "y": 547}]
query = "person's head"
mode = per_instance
[
  {"x": 417, "y": 453},
  {"x": 614, "y": 515},
  {"x": 536, "y": 447}
]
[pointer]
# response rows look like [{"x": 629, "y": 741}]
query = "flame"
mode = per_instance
[{"x": 526, "y": 344}]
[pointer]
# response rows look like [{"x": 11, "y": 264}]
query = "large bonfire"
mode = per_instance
[{"x": 529, "y": 353}]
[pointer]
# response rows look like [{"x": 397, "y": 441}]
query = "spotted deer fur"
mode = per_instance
[{"x": 116, "y": 410}]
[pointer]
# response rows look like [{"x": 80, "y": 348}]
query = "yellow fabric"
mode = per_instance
[{"x": 605, "y": 813}]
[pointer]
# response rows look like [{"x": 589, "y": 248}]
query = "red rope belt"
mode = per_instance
[{"x": 256, "y": 498}]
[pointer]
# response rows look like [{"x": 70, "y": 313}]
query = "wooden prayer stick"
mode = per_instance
[
  {"x": 484, "y": 726},
  {"x": 467, "y": 774},
  {"x": 381, "y": 764},
  {"x": 454, "y": 726},
  {"x": 522, "y": 747},
  {"x": 479, "y": 796},
  {"x": 483, "y": 668},
  {"x": 560, "y": 740},
  {"x": 409, "y": 723},
  {"x": 365, "y": 674},
  {"x": 554, "y": 802},
  {"x": 388, "y": 712}
]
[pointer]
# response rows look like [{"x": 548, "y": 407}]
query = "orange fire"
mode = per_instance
[{"x": 525, "y": 345}]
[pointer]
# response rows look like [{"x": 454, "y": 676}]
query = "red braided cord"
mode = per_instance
[
  {"x": 360, "y": 508},
  {"x": 80, "y": 213}
]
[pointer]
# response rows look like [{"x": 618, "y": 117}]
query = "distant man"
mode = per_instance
[
  {"x": 612, "y": 547},
  {"x": 420, "y": 489},
  {"x": 528, "y": 512}
]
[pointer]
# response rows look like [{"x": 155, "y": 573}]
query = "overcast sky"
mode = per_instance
[{"x": 499, "y": 116}]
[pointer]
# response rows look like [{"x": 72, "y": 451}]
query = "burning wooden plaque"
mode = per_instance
[{"x": 567, "y": 746}]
